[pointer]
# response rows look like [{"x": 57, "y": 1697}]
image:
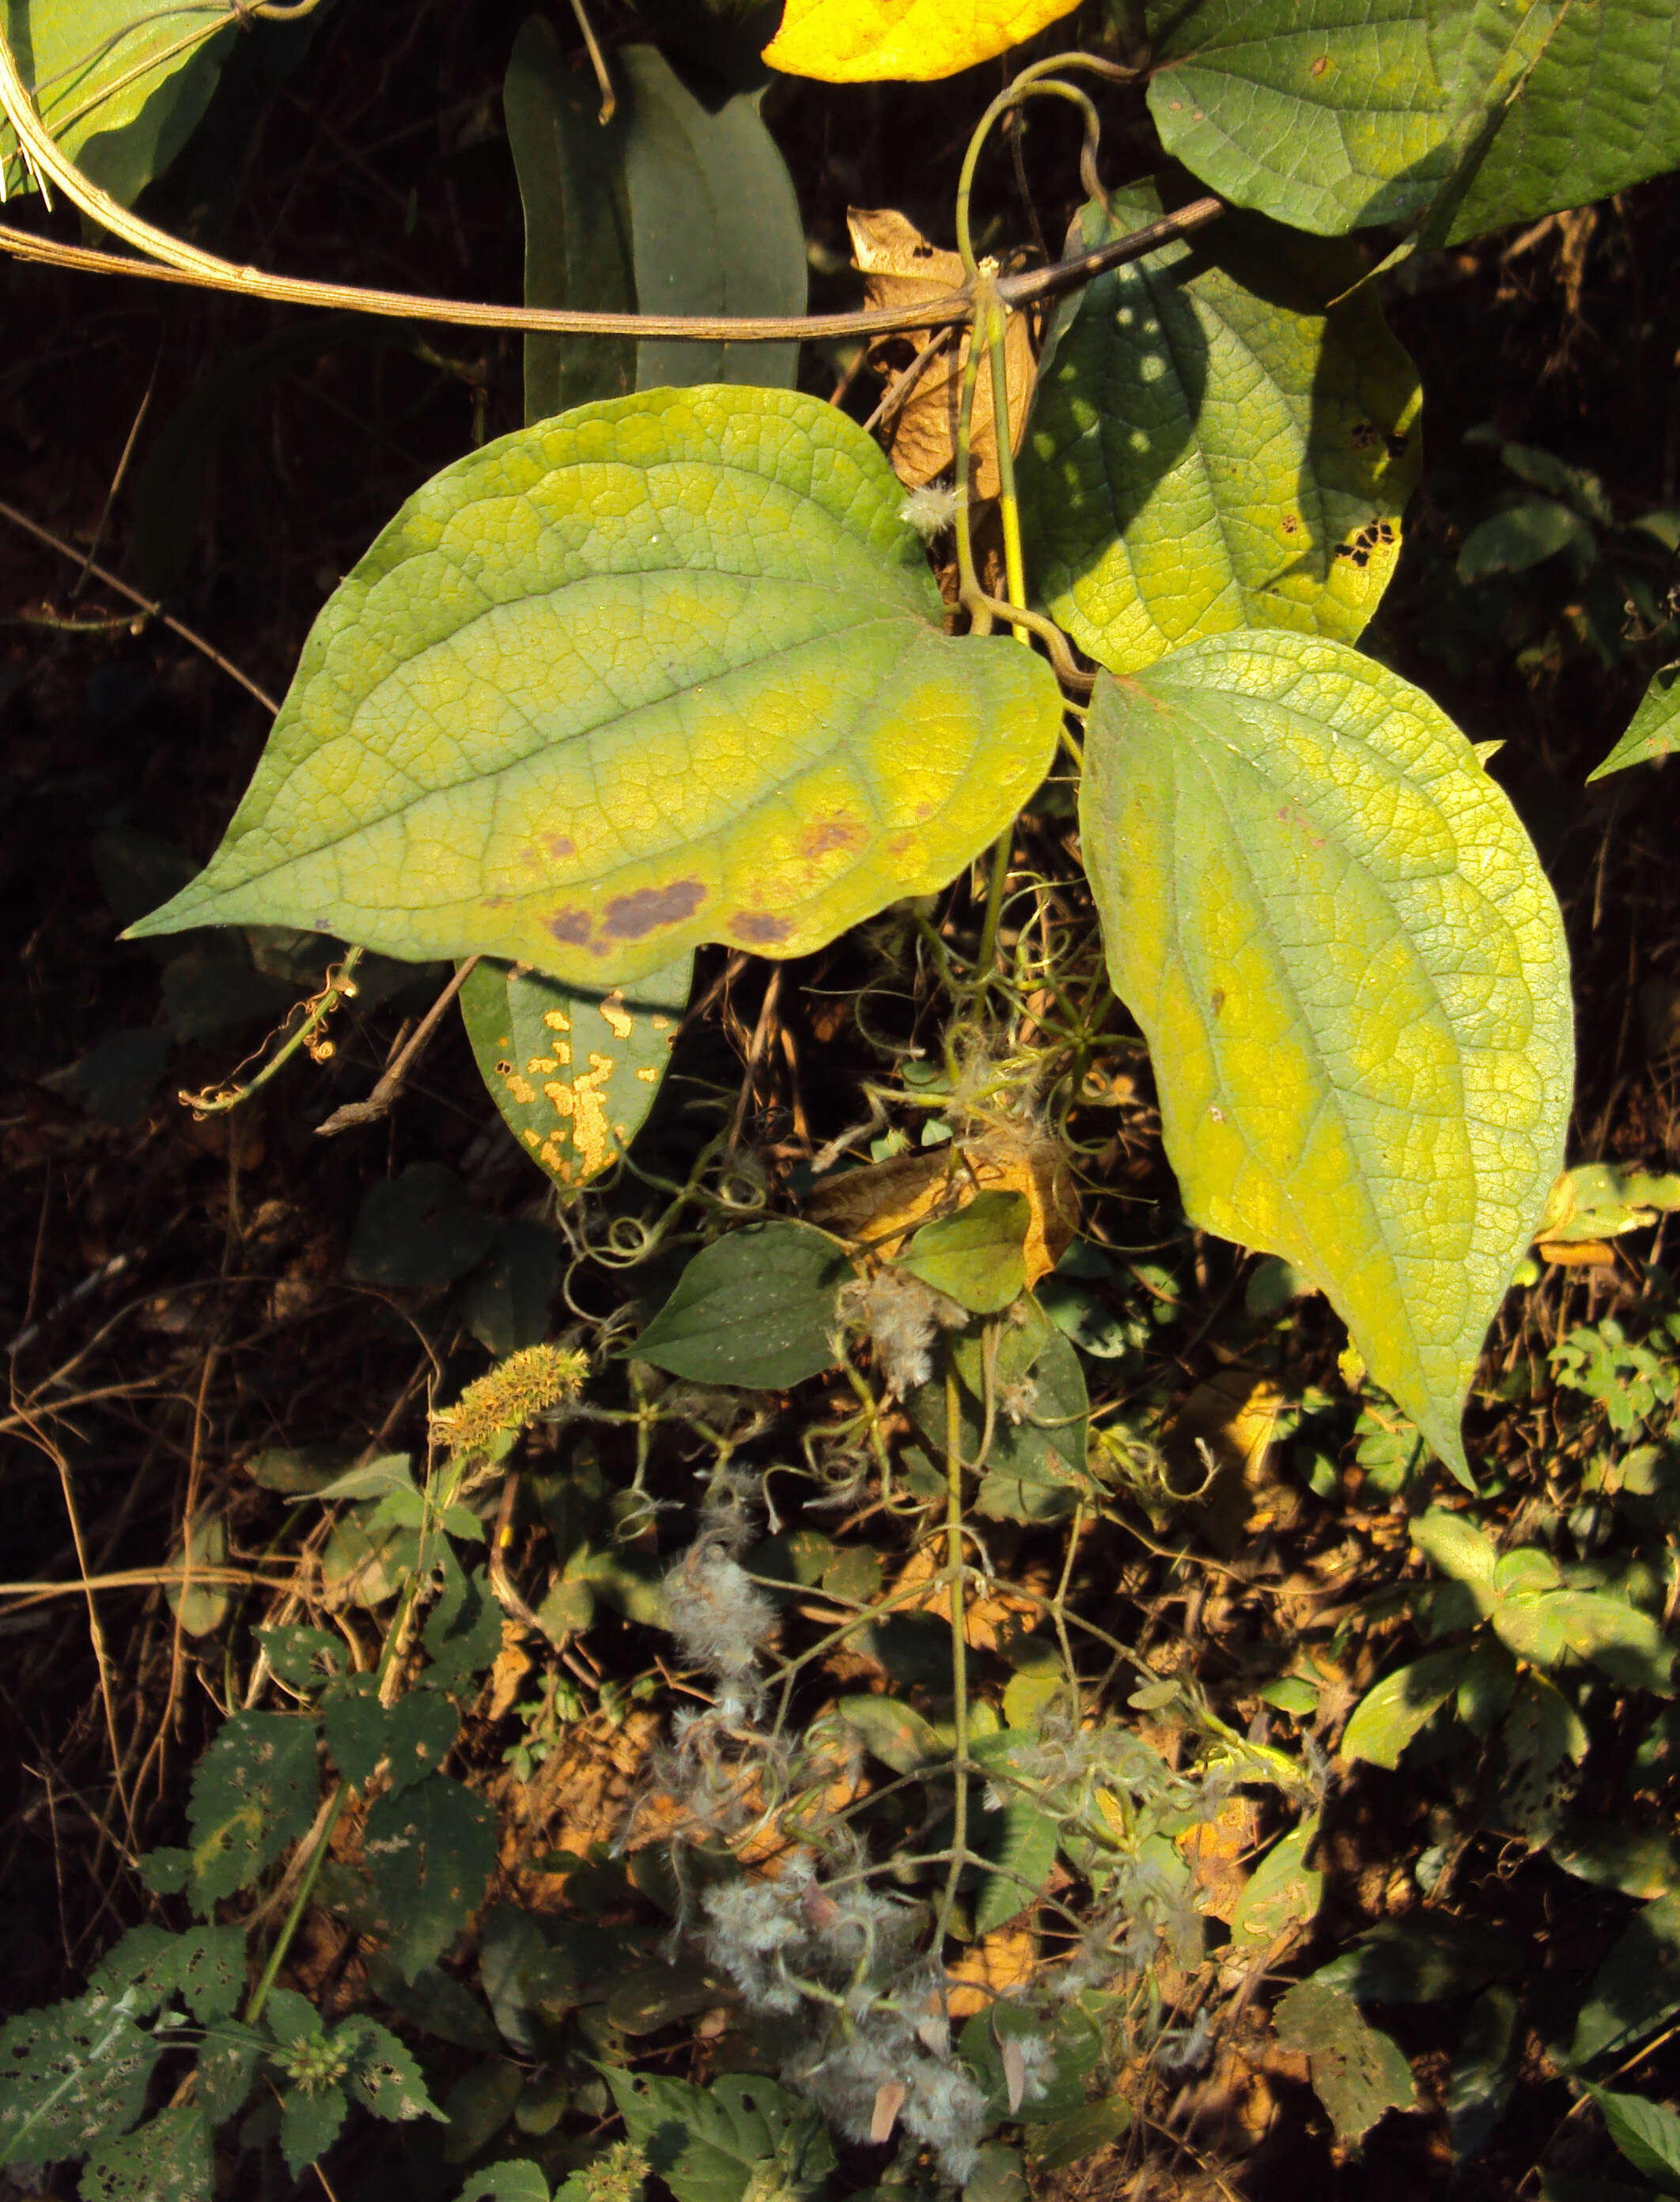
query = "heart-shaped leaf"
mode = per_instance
[
  {"x": 665, "y": 670},
  {"x": 1352, "y": 977},
  {"x": 1213, "y": 446}
]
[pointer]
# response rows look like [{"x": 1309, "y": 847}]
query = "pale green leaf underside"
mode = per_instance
[
  {"x": 574, "y": 1074},
  {"x": 1654, "y": 730},
  {"x": 1465, "y": 115},
  {"x": 118, "y": 84},
  {"x": 1210, "y": 449},
  {"x": 1352, "y": 977},
  {"x": 665, "y": 670}
]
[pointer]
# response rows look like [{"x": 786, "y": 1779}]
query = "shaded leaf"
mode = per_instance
[
  {"x": 310, "y": 2122},
  {"x": 1424, "y": 1958},
  {"x": 1484, "y": 2071},
  {"x": 168, "y": 2159},
  {"x": 757, "y": 1309},
  {"x": 419, "y": 1229},
  {"x": 859, "y": 41},
  {"x": 600, "y": 808},
  {"x": 709, "y": 2144},
  {"x": 428, "y": 1853},
  {"x": 518, "y": 2180},
  {"x": 508, "y": 1304},
  {"x": 415, "y": 1735},
  {"x": 1213, "y": 447},
  {"x": 896, "y": 1732},
  {"x": 574, "y": 1074},
  {"x": 302, "y": 1659},
  {"x": 1522, "y": 536},
  {"x": 1361, "y": 1021},
  {"x": 1641, "y": 1862},
  {"x": 1357, "y": 2072},
  {"x": 205, "y": 1966},
  {"x": 1637, "y": 1988},
  {"x": 70, "y": 2074}
]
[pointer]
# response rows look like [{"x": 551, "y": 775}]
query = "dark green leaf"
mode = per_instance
[
  {"x": 1060, "y": 2143},
  {"x": 419, "y": 1229},
  {"x": 428, "y": 1853},
  {"x": 310, "y": 2123},
  {"x": 478, "y": 2106},
  {"x": 1484, "y": 2071},
  {"x": 1522, "y": 536},
  {"x": 302, "y": 1659},
  {"x": 383, "y": 2077},
  {"x": 205, "y": 1967},
  {"x": 757, "y": 1309},
  {"x": 1424, "y": 1957},
  {"x": 416, "y": 1733},
  {"x": 1637, "y": 1988},
  {"x": 70, "y": 2075},
  {"x": 656, "y": 1994},
  {"x": 168, "y": 2159},
  {"x": 434, "y": 2002},
  {"x": 1018, "y": 1843},
  {"x": 709, "y": 2144}
]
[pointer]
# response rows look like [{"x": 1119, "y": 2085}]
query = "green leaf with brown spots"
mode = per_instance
[
  {"x": 573, "y": 1073},
  {"x": 666, "y": 670},
  {"x": 1351, "y": 974},
  {"x": 1214, "y": 447}
]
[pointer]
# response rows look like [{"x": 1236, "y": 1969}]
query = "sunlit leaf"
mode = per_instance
[
  {"x": 976, "y": 1257},
  {"x": 119, "y": 85},
  {"x": 1647, "y": 2132},
  {"x": 1389, "y": 1716},
  {"x": 1654, "y": 730},
  {"x": 573, "y": 1073},
  {"x": 1360, "y": 1017},
  {"x": 857, "y": 41},
  {"x": 1358, "y": 2071},
  {"x": 1213, "y": 447},
  {"x": 665, "y": 670}
]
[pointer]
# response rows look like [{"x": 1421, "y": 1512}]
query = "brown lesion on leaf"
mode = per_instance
[
  {"x": 494, "y": 901},
  {"x": 1215, "y": 1000},
  {"x": 760, "y": 928},
  {"x": 634, "y": 916},
  {"x": 1291, "y": 524},
  {"x": 559, "y": 846},
  {"x": 824, "y": 835},
  {"x": 1365, "y": 435},
  {"x": 570, "y": 928}
]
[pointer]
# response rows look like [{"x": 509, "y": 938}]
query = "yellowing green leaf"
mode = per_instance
[
  {"x": 1213, "y": 446},
  {"x": 574, "y": 1074},
  {"x": 1358, "y": 2072},
  {"x": 1388, "y": 1717},
  {"x": 977, "y": 1257},
  {"x": 1351, "y": 974},
  {"x": 665, "y": 670},
  {"x": 118, "y": 85},
  {"x": 859, "y": 41}
]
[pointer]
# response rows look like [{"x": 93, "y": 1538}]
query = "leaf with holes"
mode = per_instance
[
  {"x": 665, "y": 670},
  {"x": 119, "y": 86},
  {"x": 865, "y": 41},
  {"x": 428, "y": 1853},
  {"x": 411, "y": 1738},
  {"x": 1360, "y": 1020},
  {"x": 1653, "y": 732},
  {"x": 253, "y": 1793},
  {"x": 1357, "y": 2072},
  {"x": 168, "y": 2159},
  {"x": 1214, "y": 447},
  {"x": 741, "y": 2136},
  {"x": 573, "y": 1072},
  {"x": 205, "y": 1967},
  {"x": 69, "y": 2075}
]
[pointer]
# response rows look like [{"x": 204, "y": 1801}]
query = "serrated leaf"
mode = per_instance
[
  {"x": 1389, "y": 1716},
  {"x": 731, "y": 714},
  {"x": 302, "y": 1659},
  {"x": 168, "y": 2159},
  {"x": 383, "y": 2077},
  {"x": 226, "y": 2066},
  {"x": 574, "y": 1074},
  {"x": 863, "y": 41},
  {"x": 713, "y": 2144},
  {"x": 1212, "y": 447},
  {"x": 415, "y": 1735},
  {"x": 1647, "y": 2132},
  {"x": 755, "y": 1309},
  {"x": 70, "y": 2074},
  {"x": 1637, "y": 1988},
  {"x": 518, "y": 2180},
  {"x": 1018, "y": 1843},
  {"x": 429, "y": 1854},
  {"x": 1654, "y": 730},
  {"x": 205, "y": 1966},
  {"x": 1361, "y": 1021},
  {"x": 1357, "y": 2072},
  {"x": 977, "y": 1257},
  {"x": 253, "y": 1795},
  {"x": 120, "y": 86},
  {"x": 309, "y": 2122}
]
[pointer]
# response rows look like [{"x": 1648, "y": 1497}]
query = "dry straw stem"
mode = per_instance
[{"x": 169, "y": 259}]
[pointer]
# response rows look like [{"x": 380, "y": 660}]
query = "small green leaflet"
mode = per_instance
[
  {"x": 573, "y": 1073},
  {"x": 976, "y": 1257},
  {"x": 668, "y": 669},
  {"x": 1212, "y": 447},
  {"x": 1360, "y": 1018},
  {"x": 120, "y": 86},
  {"x": 1654, "y": 730}
]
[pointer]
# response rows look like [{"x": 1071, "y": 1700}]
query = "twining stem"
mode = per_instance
[
  {"x": 954, "y": 1572},
  {"x": 216, "y": 1101}
]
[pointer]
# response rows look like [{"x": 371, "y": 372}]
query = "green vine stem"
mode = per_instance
[
  {"x": 954, "y": 1572},
  {"x": 340, "y": 986}
]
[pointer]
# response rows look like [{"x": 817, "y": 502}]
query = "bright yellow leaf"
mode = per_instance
[{"x": 860, "y": 41}]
